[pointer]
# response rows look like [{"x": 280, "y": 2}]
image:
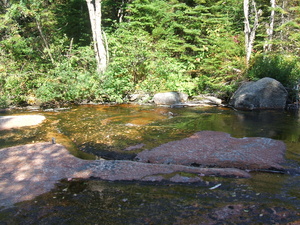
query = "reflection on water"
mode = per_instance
[
  {"x": 103, "y": 129},
  {"x": 121, "y": 131},
  {"x": 102, "y": 202}
]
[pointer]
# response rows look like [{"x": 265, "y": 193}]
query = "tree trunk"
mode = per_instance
[
  {"x": 250, "y": 33},
  {"x": 121, "y": 12},
  {"x": 283, "y": 21},
  {"x": 270, "y": 28},
  {"x": 46, "y": 44},
  {"x": 100, "y": 49}
]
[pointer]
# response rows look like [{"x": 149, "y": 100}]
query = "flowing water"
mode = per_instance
[{"x": 121, "y": 131}]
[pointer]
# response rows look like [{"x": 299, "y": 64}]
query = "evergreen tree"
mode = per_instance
[
  {"x": 199, "y": 35},
  {"x": 187, "y": 45}
]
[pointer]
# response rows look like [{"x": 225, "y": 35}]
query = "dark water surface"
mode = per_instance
[{"x": 120, "y": 132}]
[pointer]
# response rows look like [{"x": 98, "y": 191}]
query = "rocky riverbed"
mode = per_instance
[
  {"x": 45, "y": 173},
  {"x": 27, "y": 171}
]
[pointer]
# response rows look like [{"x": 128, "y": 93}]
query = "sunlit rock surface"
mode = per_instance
[
  {"x": 169, "y": 98},
  {"x": 8, "y": 122},
  {"x": 210, "y": 148},
  {"x": 29, "y": 170}
]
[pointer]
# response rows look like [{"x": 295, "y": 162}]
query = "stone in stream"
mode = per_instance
[
  {"x": 219, "y": 149},
  {"x": 169, "y": 98},
  {"x": 9, "y": 122},
  {"x": 266, "y": 93}
]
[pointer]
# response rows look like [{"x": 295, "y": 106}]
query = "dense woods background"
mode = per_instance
[{"x": 193, "y": 46}]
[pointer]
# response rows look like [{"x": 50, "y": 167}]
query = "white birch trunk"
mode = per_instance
[
  {"x": 283, "y": 21},
  {"x": 250, "y": 33},
  {"x": 121, "y": 12},
  {"x": 270, "y": 28},
  {"x": 94, "y": 8},
  {"x": 247, "y": 30}
]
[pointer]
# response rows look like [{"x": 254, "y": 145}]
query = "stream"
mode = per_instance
[{"x": 121, "y": 131}]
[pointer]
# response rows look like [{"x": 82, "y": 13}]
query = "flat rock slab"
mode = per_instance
[
  {"x": 9, "y": 122},
  {"x": 30, "y": 170},
  {"x": 210, "y": 148}
]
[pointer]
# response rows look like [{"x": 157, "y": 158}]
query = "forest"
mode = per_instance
[{"x": 48, "y": 55}]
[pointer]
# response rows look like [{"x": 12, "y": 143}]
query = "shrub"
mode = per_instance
[
  {"x": 284, "y": 68},
  {"x": 3, "y": 102},
  {"x": 115, "y": 85}
]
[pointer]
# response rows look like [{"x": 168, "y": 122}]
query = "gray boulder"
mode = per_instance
[
  {"x": 266, "y": 93},
  {"x": 169, "y": 98},
  {"x": 139, "y": 97}
]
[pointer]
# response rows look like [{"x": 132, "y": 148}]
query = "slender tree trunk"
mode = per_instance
[
  {"x": 46, "y": 44},
  {"x": 283, "y": 21},
  {"x": 250, "y": 33},
  {"x": 121, "y": 11},
  {"x": 94, "y": 8},
  {"x": 270, "y": 27}
]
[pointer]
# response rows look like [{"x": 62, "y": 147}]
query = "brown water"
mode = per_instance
[{"x": 119, "y": 132}]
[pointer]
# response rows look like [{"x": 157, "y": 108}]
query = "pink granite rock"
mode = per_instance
[
  {"x": 210, "y": 148},
  {"x": 27, "y": 171}
]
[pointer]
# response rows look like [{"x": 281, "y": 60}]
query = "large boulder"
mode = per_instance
[
  {"x": 218, "y": 149},
  {"x": 169, "y": 98},
  {"x": 266, "y": 93}
]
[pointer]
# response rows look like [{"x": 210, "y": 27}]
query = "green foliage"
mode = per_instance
[
  {"x": 115, "y": 86},
  {"x": 284, "y": 68},
  {"x": 73, "y": 20},
  {"x": 71, "y": 79},
  {"x": 173, "y": 45},
  {"x": 167, "y": 75},
  {"x": 40, "y": 63},
  {"x": 193, "y": 46},
  {"x": 287, "y": 38},
  {"x": 3, "y": 102},
  {"x": 145, "y": 65}
]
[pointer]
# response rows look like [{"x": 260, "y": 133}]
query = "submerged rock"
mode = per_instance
[
  {"x": 30, "y": 170},
  {"x": 9, "y": 122},
  {"x": 210, "y": 149},
  {"x": 266, "y": 93},
  {"x": 207, "y": 99}
]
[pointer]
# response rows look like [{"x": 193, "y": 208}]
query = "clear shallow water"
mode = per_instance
[{"x": 109, "y": 131}]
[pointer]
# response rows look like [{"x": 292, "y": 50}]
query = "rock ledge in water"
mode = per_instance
[
  {"x": 210, "y": 148},
  {"x": 9, "y": 122},
  {"x": 30, "y": 170}
]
